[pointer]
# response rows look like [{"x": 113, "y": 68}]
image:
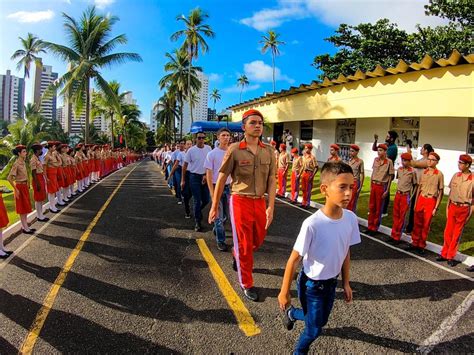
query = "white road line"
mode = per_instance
[
  {"x": 397, "y": 249},
  {"x": 28, "y": 241},
  {"x": 445, "y": 327}
]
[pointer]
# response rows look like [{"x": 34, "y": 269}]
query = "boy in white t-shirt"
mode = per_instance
[{"x": 323, "y": 244}]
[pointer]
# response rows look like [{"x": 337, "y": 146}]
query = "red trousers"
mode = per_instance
[
  {"x": 295, "y": 186},
  {"x": 401, "y": 204},
  {"x": 352, "y": 206},
  {"x": 307, "y": 187},
  {"x": 375, "y": 206},
  {"x": 455, "y": 222},
  {"x": 422, "y": 220},
  {"x": 248, "y": 219},
  {"x": 282, "y": 176}
]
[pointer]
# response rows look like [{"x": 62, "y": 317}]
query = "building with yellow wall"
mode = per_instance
[{"x": 427, "y": 102}]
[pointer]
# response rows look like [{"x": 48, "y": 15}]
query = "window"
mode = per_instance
[
  {"x": 470, "y": 140},
  {"x": 408, "y": 128},
  {"x": 306, "y": 130},
  {"x": 345, "y": 131}
]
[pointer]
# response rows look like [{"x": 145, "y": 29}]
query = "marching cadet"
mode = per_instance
[
  {"x": 381, "y": 180},
  {"x": 38, "y": 181},
  {"x": 357, "y": 165},
  {"x": 296, "y": 171},
  {"x": 252, "y": 165},
  {"x": 334, "y": 153},
  {"x": 283, "y": 164},
  {"x": 276, "y": 153},
  {"x": 429, "y": 195},
  {"x": 459, "y": 208},
  {"x": 18, "y": 178},
  {"x": 52, "y": 163},
  {"x": 176, "y": 170},
  {"x": 406, "y": 176},
  {"x": 310, "y": 168},
  {"x": 3, "y": 223},
  {"x": 78, "y": 157}
]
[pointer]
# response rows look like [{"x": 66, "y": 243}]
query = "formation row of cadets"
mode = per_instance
[
  {"x": 420, "y": 190},
  {"x": 64, "y": 173}
]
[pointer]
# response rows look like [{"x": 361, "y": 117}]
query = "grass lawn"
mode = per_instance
[{"x": 437, "y": 226}]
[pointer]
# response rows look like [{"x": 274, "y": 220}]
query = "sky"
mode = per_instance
[{"x": 239, "y": 25}]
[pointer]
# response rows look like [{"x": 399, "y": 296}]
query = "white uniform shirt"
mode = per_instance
[
  {"x": 214, "y": 161},
  {"x": 195, "y": 157},
  {"x": 323, "y": 243},
  {"x": 180, "y": 157},
  {"x": 174, "y": 155}
]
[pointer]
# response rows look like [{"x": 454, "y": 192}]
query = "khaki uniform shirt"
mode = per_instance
[
  {"x": 309, "y": 163},
  {"x": 406, "y": 179},
  {"x": 334, "y": 158},
  {"x": 382, "y": 169},
  {"x": 431, "y": 182},
  {"x": 18, "y": 171},
  {"x": 297, "y": 165},
  {"x": 52, "y": 160},
  {"x": 251, "y": 173},
  {"x": 283, "y": 160},
  {"x": 357, "y": 166},
  {"x": 35, "y": 164},
  {"x": 462, "y": 188},
  {"x": 78, "y": 157}
]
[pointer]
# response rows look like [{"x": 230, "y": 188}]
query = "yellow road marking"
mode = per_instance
[
  {"x": 243, "y": 316},
  {"x": 40, "y": 319}
]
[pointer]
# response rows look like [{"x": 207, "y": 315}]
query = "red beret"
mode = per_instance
[
  {"x": 435, "y": 155},
  {"x": 465, "y": 158},
  {"x": 334, "y": 146},
  {"x": 355, "y": 147},
  {"x": 283, "y": 146},
  {"x": 64, "y": 145},
  {"x": 294, "y": 150},
  {"x": 36, "y": 146},
  {"x": 382, "y": 146},
  {"x": 251, "y": 112},
  {"x": 20, "y": 147},
  {"x": 79, "y": 145},
  {"x": 308, "y": 145},
  {"x": 406, "y": 156},
  {"x": 273, "y": 143}
]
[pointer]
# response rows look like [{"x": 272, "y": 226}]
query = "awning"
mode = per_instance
[{"x": 213, "y": 126}]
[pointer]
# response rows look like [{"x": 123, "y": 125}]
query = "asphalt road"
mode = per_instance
[{"x": 141, "y": 285}]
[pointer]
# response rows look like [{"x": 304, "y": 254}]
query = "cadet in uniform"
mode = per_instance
[
  {"x": 406, "y": 185},
  {"x": 296, "y": 171},
  {"x": 430, "y": 193},
  {"x": 357, "y": 165},
  {"x": 38, "y": 181},
  {"x": 459, "y": 208},
  {"x": 252, "y": 165},
  {"x": 310, "y": 168},
  {"x": 51, "y": 163},
  {"x": 334, "y": 153},
  {"x": 382, "y": 176},
  {"x": 18, "y": 178},
  {"x": 283, "y": 164}
]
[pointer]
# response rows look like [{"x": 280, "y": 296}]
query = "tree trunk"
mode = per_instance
[
  {"x": 88, "y": 99},
  {"x": 112, "y": 129},
  {"x": 189, "y": 87},
  {"x": 273, "y": 62},
  {"x": 181, "y": 117}
]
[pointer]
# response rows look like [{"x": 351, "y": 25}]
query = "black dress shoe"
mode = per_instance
[
  {"x": 57, "y": 211},
  {"x": 27, "y": 232},
  {"x": 45, "y": 219},
  {"x": 222, "y": 246},
  {"x": 393, "y": 241},
  {"x": 411, "y": 248},
  {"x": 470, "y": 268},
  {"x": 251, "y": 294},
  {"x": 452, "y": 263},
  {"x": 440, "y": 258},
  {"x": 420, "y": 251},
  {"x": 61, "y": 204},
  {"x": 4, "y": 256},
  {"x": 234, "y": 264}
]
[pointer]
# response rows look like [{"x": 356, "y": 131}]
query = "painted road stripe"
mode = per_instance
[
  {"x": 40, "y": 319},
  {"x": 397, "y": 249},
  {"x": 243, "y": 316}
]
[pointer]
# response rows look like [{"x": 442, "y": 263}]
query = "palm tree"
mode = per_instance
[
  {"x": 215, "y": 96},
  {"x": 31, "y": 47},
  {"x": 242, "y": 81},
  {"x": 89, "y": 51},
  {"x": 180, "y": 76},
  {"x": 166, "y": 115},
  {"x": 270, "y": 41},
  {"x": 130, "y": 116},
  {"x": 194, "y": 33}
]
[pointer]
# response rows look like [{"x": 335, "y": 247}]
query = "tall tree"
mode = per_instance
[
  {"x": 166, "y": 116},
  {"x": 194, "y": 35},
  {"x": 215, "y": 96},
  {"x": 242, "y": 81},
  {"x": 89, "y": 51},
  {"x": 31, "y": 46},
  {"x": 270, "y": 42}
]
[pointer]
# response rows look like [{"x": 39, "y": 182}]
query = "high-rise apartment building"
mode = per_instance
[
  {"x": 12, "y": 97},
  {"x": 44, "y": 77},
  {"x": 200, "y": 107}
]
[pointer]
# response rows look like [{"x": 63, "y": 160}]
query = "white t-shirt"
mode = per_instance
[
  {"x": 213, "y": 162},
  {"x": 195, "y": 157},
  {"x": 180, "y": 157},
  {"x": 324, "y": 242},
  {"x": 174, "y": 155}
]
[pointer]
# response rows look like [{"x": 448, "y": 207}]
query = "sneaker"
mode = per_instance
[
  {"x": 187, "y": 215},
  {"x": 251, "y": 294},
  {"x": 222, "y": 246},
  {"x": 180, "y": 202},
  {"x": 384, "y": 215},
  {"x": 288, "y": 323},
  {"x": 197, "y": 227}
]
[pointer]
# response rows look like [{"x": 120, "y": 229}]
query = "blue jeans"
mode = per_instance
[
  {"x": 167, "y": 174},
  {"x": 317, "y": 299},
  {"x": 186, "y": 192},
  {"x": 177, "y": 182},
  {"x": 200, "y": 193},
  {"x": 219, "y": 222}
]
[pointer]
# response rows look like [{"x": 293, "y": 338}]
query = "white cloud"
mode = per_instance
[
  {"x": 102, "y": 4},
  {"x": 260, "y": 72},
  {"x": 214, "y": 77},
  {"x": 233, "y": 89},
  {"x": 405, "y": 13},
  {"x": 31, "y": 16}
]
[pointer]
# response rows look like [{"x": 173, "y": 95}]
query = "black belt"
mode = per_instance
[{"x": 459, "y": 203}]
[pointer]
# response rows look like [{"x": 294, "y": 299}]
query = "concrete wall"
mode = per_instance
[
  {"x": 364, "y": 138},
  {"x": 324, "y": 134}
]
